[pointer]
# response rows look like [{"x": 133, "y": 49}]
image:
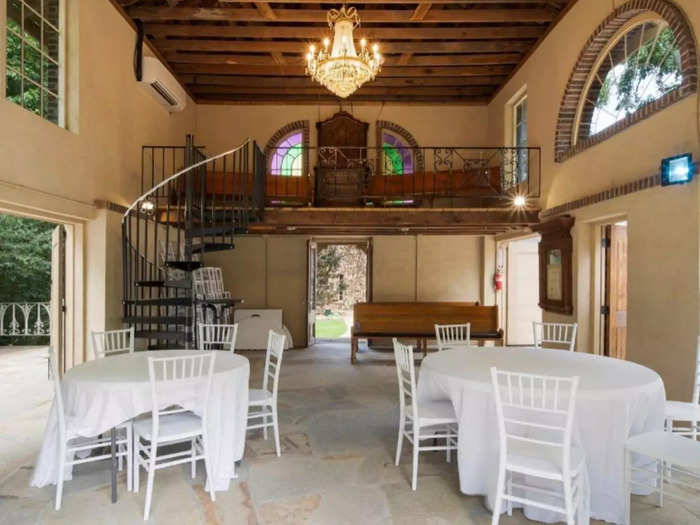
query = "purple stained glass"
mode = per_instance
[
  {"x": 286, "y": 158},
  {"x": 406, "y": 153}
]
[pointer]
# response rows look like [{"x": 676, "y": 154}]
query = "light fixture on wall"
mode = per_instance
[
  {"x": 339, "y": 68},
  {"x": 677, "y": 170},
  {"x": 519, "y": 201},
  {"x": 147, "y": 207}
]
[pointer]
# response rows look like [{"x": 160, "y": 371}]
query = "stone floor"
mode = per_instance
[{"x": 338, "y": 435}]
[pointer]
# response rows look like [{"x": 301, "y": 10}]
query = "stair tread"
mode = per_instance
[
  {"x": 163, "y": 334},
  {"x": 161, "y": 301},
  {"x": 160, "y": 283},
  {"x": 186, "y": 266},
  {"x": 163, "y": 320},
  {"x": 212, "y": 247}
]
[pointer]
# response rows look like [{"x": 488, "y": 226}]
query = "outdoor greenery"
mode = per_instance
[
  {"x": 330, "y": 328},
  {"x": 328, "y": 286}
]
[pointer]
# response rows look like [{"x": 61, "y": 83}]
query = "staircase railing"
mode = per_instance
[{"x": 165, "y": 232}]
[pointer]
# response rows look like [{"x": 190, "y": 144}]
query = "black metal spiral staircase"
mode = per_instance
[{"x": 200, "y": 208}]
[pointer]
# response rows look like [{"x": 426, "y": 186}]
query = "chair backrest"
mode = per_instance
[
  {"x": 406, "y": 374},
  {"x": 113, "y": 342},
  {"x": 535, "y": 409},
  {"x": 273, "y": 361},
  {"x": 562, "y": 334},
  {"x": 175, "y": 374},
  {"x": 58, "y": 395},
  {"x": 449, "y": 335},
  {"x": 208, "y": 283},
  {"x": 218, "y": 336}
]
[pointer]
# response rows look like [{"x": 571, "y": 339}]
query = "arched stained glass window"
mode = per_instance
[
  {"x": 397, "y": 158},
  {"x": 288, "y": 156}
]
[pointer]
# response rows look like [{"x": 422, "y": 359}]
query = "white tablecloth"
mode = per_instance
[
  {"x": 616, "y": 399},
  {"x": 101, "y": 394}
]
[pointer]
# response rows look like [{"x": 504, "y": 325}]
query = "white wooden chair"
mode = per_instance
[
  {"x": 450, "y": 335},
  {"x": 422, "y": 420},
  {"x": 113, "y": 342},
  {"x": 684, "y": 411},
  {"x": 218, "y": 336},
  {"x": 173, "y": 424},
  {"x": 262, "y": 403},
  {"x": 676, "y": 461},
  {"x": 67, "y": 448},
  {"x": 208, "y": 283},
  {"x": 535, "y": 419},
  {"x": 559, "y": 334}
]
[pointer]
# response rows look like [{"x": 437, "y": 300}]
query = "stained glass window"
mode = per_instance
[
  {"x": 397, "y": 157},
  {"x": 288, "y": 156}
]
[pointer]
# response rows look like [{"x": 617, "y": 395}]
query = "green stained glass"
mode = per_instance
[
  {"x": 291, "y": 162},
  {"x": 393, "y": 160}
]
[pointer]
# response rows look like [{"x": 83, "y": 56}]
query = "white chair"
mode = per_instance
[
  {"x": 262, "y": 403},
  {"x": 67, "y": 448},
  {"x": 684, "y": 411},
  {"x": 450, "y": 335},
  {"x": 173, "y": 424},
  {"x": 560, "y": 334},
  {"x": 208, "y": 283},
  {"x": 420, "y": 420},
  {"x": 218, "y": 336},
  {"x": 113, "y": 342},
  {"x": 535, "y": 419},
  {"x": 671, "y": 454}
]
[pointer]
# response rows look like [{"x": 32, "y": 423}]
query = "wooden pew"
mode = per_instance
[{"x": 418, "y": 320}]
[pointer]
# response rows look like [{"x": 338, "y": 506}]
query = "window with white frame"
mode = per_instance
[
  {"x": 520, "y": 138},
  {"x": 34, "y": 57}
]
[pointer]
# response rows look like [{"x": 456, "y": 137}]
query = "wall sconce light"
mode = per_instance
[
  {"x": 677, "y": 170},
  {"x": 519, "y": 201},
  {"x": 147, "y": 207}
]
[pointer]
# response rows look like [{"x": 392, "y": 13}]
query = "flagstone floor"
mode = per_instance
[{"x": 338, "y": 428}]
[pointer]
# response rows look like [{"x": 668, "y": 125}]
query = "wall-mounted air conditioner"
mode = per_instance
[{"x": 162, "y": 85}]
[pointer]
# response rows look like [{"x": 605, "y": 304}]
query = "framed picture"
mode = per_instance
[{"x": 556, "y": 275}]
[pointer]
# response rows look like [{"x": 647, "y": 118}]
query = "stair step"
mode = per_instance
[
  {"x": 212, "y": 247},
  {"x": 184, "y": 283},
  {"x": 171, "y": 346},
  {"x": 213, "y": 231},
  {"x": 163, "y": 335},
  {"x": 186, "y": 266},
  {"x": 170, "y": 320},
  {"x": 161, "y": 301}
]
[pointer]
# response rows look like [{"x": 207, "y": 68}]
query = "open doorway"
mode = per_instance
[
  {"x": 339, "y": 277},
  {"x": 522, "y": 290},
  {"x": 613, "y": 309}
]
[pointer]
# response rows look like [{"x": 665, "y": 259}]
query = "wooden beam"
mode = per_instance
[
  {"x": 267, "y": 46},
  {"x": 367, "y": 89},
  {"x": 277, "y": 58},
  {"x": 421, "y": 11},
  {"x": 540, "y": 3},
  {"x": 390, "y": 71},
  {"x": 320, "y": 31},
  {"x": 332, "y": 99},
  {"x": 234, "y": 14},
  {"x": 305, "y": 81},
  {"x": 265, "y": 10}
]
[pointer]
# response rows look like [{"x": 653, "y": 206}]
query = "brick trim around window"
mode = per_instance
[
  {"x": 677, "y": 21},
  {"x": 402, "y": 132}
]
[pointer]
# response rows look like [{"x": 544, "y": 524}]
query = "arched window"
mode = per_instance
[
  {"x": 399, "y": 153},
  {"x": 640, "y": 60},
  {"x": 287, "y": 150}
]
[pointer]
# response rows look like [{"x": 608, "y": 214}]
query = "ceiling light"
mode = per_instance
[{"x": 519, "y": 201}]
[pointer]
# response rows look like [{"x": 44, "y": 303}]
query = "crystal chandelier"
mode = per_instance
[{"x": 341, "y": 69}]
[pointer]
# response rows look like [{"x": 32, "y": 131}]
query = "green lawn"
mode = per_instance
[{"x": 330, "y": 328}]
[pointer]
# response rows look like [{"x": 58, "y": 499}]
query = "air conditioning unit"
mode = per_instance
[{"x": 162, "y": 85}]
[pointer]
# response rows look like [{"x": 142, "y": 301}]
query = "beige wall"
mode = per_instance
[
  {"x": 663, "y": 222},
  {"x": 270, "y": 272}
]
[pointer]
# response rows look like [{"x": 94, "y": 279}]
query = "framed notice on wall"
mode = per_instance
[{"x": 556, "y": 276}]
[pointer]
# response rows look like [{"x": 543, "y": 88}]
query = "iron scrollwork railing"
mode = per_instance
[{"x": 24, "y": 319}]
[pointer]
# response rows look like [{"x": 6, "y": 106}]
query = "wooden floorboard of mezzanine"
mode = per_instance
[{"x": 393, "y": 221}]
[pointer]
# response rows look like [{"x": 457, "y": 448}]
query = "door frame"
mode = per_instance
[{"x": 603, "y": 299}]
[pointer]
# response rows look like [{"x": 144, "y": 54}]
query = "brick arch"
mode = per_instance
[
  {"x": 288, "y": 129},
  {"x": 598, "y": 41},
  {"x": 402, "y": 132}
]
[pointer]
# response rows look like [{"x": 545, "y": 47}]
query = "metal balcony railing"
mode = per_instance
[{"x": 24, "y": 319}]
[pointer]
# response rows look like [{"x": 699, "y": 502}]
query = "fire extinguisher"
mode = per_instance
[{"x": 498, "y": 279}]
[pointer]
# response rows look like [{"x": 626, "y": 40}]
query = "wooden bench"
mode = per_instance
[{"x": 418, "y": 320}]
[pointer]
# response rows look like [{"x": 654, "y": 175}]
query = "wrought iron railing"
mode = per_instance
[
  {"x": 389, "y": 175},
  {"x": 24, "y": 319}
]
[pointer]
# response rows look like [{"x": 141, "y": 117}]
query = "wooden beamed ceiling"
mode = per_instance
[{"x": 445, "y": 51}]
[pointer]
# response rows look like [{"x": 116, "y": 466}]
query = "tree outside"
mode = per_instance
[{"x": 341, "y": 281}]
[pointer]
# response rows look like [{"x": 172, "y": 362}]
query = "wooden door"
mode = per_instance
[
  {"x": 522, "y": 291},
  {"x": 615, "y": 309},
  {"x": 58, "y": 296},
  {"x": 311, "y": 295}
]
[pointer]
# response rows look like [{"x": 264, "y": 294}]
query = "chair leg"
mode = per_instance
[
  {"x": 264, "y": 418},
  {"x": 207, "y": 467},
  {"x": 660, "y": 466},
  {"x": 61, "y": 473},
  {"x": 509, "y": 491},
  {"x": 276, "y": 430},
  {"x": 627, "y": 489},
  {"x": 447, "y": 445},
  {"x": 568, "y": 500},
  {"x": 137, "y": 461},
  {"x": 500, "y": 485},
  {"x": 399, "y": 442},
  {"x": 193, "y": 464},
  {"x": 416, "y": 447},
  {"x": 149, "y": 483},
  {"x": 129, "y": 458}
]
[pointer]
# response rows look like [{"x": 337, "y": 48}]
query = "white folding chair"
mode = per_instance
[
  {"x": 676, "y": 460},
  {"x": 451, "y": 335},
  {"x": 684, "y": 411},
  {"x": 208, "y": 283},
  {"x": 68, "y": 447},
  {"x": 262, "y": 403},
  {"x": 535, "y": 420},
  {"x": 559, "y": 334},
  {"x": 420, "y": 420},
  {"x": 113, "y": 342},
  {"x": 218, "y": 336},
  {"x": 173, "y": 424}
]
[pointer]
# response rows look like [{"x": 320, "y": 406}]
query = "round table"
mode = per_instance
[
  {"x": 101, "y": 394},
  {"x": 616, "y": 399}
]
